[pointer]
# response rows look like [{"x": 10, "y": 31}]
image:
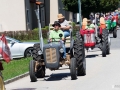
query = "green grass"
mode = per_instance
[
  {"x": 18, "y": 66},
  {"x": 15, "y": 68}
]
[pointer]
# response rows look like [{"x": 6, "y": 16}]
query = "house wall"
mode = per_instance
[
  {"x": 12, "y": 15},
  {"x": 53, "y": 10}
]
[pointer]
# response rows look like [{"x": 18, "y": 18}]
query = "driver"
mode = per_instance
[
  {"x": 90, "y": 25},
  {"x": 54, "y": 36}
]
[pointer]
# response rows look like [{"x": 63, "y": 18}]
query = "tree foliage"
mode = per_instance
[{"x": 88, "y": 6}]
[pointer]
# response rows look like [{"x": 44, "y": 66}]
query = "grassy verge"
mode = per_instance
[
  {"x": 15, "y": 68},
  {"x": 18, "y": 66}
]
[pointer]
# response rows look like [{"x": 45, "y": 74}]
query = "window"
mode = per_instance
[
  {"x": 27, "y": 15},
  {"x": 8, "y": 40}
]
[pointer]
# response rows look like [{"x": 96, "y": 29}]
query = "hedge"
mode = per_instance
[{"x": 30, "y": 35}]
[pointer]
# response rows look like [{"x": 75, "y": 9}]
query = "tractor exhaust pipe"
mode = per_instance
[{"x": 39, "y": 27}]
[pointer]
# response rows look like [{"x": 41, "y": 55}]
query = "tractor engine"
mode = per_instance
[
  {"x": 52, "y": 55},
  {"x": 89, "y": 38}
]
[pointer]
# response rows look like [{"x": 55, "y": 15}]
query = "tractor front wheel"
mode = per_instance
[
  {"x": 115, "y": 33},
  {"x": 32, "y": 71},
  {"x": 73, "y": 69}
]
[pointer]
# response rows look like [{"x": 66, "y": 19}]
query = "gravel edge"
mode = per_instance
[{"x": 16, "y": 78}]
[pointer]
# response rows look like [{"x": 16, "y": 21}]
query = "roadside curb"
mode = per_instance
[{"x": 16, "y": 78}]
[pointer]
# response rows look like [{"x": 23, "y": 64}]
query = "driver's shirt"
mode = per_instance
[{"x": 54, "y": 35}]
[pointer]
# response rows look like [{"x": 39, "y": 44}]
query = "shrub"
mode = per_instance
[{"x": 32, "y": 34}]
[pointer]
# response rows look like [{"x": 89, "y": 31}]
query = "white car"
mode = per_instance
[{"x": 20, "y": 49}]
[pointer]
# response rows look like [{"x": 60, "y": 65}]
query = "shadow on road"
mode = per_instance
[
  {"x": 91, "y": 56},
  {"x": 25, "y": 89},
  {"x": 56, "y": 77}
]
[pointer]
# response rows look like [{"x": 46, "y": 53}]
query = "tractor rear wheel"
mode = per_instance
[
  {"x": 40, "y": 73},
  {"x": 79, "y": 54},
  {"x": 105, "y": 43},
  {"x": 36, "y": 49}
]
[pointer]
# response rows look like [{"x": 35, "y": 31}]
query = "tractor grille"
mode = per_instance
[{"x": 51, "y": 56}]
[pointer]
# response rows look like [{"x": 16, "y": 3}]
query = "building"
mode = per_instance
[{"x": 20, "y": 14}]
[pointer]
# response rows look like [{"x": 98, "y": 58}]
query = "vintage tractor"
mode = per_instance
[
  {"x": 97, "y": 37},
  {"x": 50, "y": 55},
  {"x": 111, "y": 26}
]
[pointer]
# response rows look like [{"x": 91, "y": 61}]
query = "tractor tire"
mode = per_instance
[
  {"x": 36, "y": 49},
  {"x": 40, "y": 69},
  {"x": 79, "y": 54},
  {"x": 32, "y": 71},
  {"x": 2, "y": 85},
  {"x": 105, "y": 43},
  {"x": 108, "y": 46},
  {"x": 73, "y": 70},
  {"x": 115, "y": 33},
  {"x": 103, "y": 49}
]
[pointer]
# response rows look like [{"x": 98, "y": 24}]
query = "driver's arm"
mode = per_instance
[{"x": 67, "y": 26}]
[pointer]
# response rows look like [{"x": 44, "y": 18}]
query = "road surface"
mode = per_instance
[{"x": 102, "y": 74}]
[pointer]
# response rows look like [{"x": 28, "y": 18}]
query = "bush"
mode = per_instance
[{"x": 32, "y": 34}]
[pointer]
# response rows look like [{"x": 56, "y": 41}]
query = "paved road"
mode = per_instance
[{"x": 102, "y": 74}]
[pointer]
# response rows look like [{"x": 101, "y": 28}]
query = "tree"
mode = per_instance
[{"x": 88, "y": 6}]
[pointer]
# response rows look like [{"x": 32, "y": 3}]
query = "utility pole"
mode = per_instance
[{"x": 79, "y": 8}]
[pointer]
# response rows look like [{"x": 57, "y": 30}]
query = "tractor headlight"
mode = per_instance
[
  {"x": 39, "y": 52},
  {"x": 61, "y": 50}
]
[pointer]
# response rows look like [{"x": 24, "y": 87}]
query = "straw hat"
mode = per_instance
[{"x": 60, "y": 16}]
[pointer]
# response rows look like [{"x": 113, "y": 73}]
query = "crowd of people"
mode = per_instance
[{"x": 107, "y": 16}]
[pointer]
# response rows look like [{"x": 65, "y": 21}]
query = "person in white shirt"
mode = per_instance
[{"x": 65, "y": 26}]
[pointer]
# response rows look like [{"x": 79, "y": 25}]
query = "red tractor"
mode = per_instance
[{"x": 97, "y": 37}]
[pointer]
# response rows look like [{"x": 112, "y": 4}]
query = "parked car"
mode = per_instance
[{"x": 19, "y": 49}]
